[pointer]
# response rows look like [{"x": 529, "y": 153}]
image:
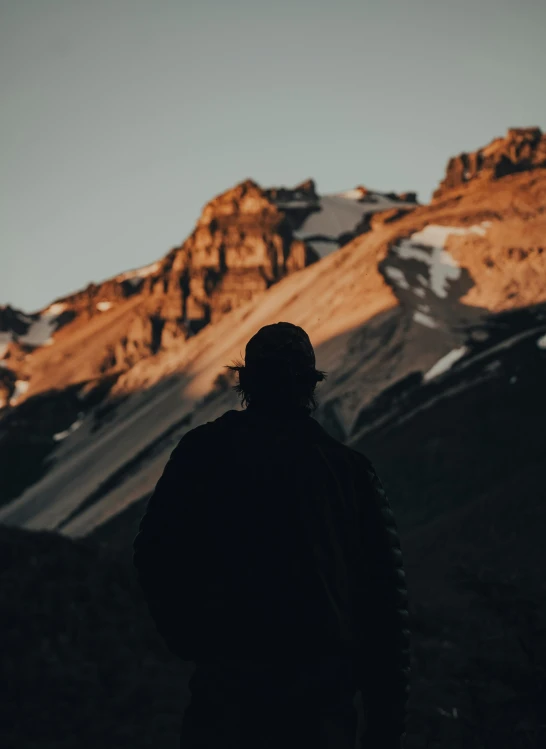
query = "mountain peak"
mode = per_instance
[
  {"x": 246, "y": 199},
  {"x": 521, "y": 149}
]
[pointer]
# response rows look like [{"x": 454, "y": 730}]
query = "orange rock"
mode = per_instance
[{"x": 522, "y": 149}]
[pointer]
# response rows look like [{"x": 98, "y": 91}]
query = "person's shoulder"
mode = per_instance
[
  {"x": 355, "y": 456},
  {"x": 361, "y": 459},
  {"x": 209, "y": 428}
]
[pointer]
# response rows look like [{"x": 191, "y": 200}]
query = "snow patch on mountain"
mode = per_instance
[
  {"x": 445, "y": 363},
  {"x": 38, "y": 328},
  {"x": 443, "y": 267},
  {"x": 72, "y": 428},
  {"x": 139, "y": 273},
  {"x": 397, "y": 276},
  {"x": 424, "y": 319},
  {"x": 428, "y": 246},
  {"x": 40, "y": 332},
  {"x": 5, "y": 340},
  {"x": 355, "y": 194},
  {"x": 435, "y": 235},
  {"x": 55, "y": 309},
  {"x": 325, "y": 222},
  {"x": 21, "y": 387}
]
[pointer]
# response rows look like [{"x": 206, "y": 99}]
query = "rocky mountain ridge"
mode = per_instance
[
  {"x": 522, "y": 149},
  {"x": 432, "y": 327},
  {"x": 246, "y": 239}
]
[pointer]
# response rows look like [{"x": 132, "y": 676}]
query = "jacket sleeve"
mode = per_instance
[
  {"x": 166, "y": 548},
  {"x": 383, "y": 602}
]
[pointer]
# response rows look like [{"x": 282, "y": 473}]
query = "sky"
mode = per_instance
[{"x": 120, "y": 119}]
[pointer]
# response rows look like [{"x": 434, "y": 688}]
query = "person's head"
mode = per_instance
[{"x": 279, "y": 369}]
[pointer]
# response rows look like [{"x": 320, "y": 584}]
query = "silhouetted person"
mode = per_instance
[{"x": 269, "y": 555}]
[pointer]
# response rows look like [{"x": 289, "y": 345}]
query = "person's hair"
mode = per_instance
[{"x": 277, "y": 384}]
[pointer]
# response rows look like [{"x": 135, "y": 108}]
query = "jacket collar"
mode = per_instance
[
  {"x": 294, "y": 419},
  {"x": 276, "y": 413}
]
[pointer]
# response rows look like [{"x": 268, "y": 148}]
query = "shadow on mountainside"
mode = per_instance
[
  {"x": 27, "y": 433},
  {"x": 465, "y": 433},
  {"x": 84, "y": 661},
  {"x": 462, "y": 459}
]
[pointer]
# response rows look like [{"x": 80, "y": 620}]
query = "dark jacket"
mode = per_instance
[{"x": 266, "y": 539}]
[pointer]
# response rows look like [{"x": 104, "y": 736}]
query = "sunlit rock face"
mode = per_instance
[
  {"x": 246, "y": 240},
  {"x": 242, "y": 244},
  {"x": 521, "y": 149}
]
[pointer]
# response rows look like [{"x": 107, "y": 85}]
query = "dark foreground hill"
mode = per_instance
[
  {"x": 84, "y": 667},
  {"x": 81, "y": 660}
]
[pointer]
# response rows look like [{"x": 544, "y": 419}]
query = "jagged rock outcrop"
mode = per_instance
[
  {"x": 13, "y": 320},
  {"x": 522, "y": 149},
  {"x": 306, "y": 190},
  {"x": 7, "y": 385},
  {"x": 242, "y": 244},
  {"x": 408, "y": 197},
  {"x": 246, "y": 239}
]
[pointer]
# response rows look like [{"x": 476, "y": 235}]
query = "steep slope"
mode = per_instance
[
  {"x": 432, "y": 327},
  {"x": 145, "y": 422},
  {"x": 246, "y": 240},
  {"x": 82, "y": 651},
  {"x": 521, "y": 150},
  {"x": 434, "y": 290}
]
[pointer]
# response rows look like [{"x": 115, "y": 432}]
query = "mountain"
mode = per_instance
[
  {"x": 425, "y": 290},
  {"x": 521, "y": 150},
  {"x": 246, "y": 240},
  {"x": 431, "y": 323}
]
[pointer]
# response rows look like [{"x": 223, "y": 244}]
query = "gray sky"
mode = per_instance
[{"x": 120, "y": 119}]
